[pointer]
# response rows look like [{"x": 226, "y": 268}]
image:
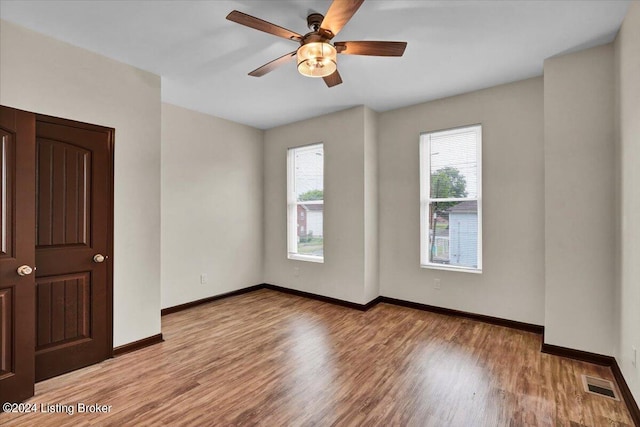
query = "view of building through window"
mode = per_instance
[
  {"x": 305, "y": 199},
  {"x": 450, "y": 198}
]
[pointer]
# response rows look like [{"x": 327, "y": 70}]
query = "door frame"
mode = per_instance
[{"x": 110, "y": 215}]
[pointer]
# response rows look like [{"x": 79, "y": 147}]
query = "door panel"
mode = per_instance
[
  {"x": 7, "y": 171},
  {"x": 17, "y": 240},
  {"x": 73, "y": 223},
  {"x": 6, "y": 331},
  {"x": 63, "y": 205},
  {"x": 64, "y": 309}
]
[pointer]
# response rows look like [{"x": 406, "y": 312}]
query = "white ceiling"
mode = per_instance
[{"x": 453, "y": 47}]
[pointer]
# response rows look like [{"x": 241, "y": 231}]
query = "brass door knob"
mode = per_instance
[{"x": 99, "y": 258}]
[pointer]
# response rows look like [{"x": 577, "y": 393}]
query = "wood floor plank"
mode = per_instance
[{"x": 273, "y": 359}]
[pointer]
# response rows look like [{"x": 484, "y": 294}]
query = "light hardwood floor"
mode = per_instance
[{"x": 273, "y": 359}]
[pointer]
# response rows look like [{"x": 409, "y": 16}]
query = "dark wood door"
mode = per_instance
[
  {"x": 73, "y": 245},
  {"x": 17, "y": 170}
]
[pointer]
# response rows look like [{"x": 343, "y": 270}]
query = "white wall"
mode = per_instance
[
  {"x": 342, "y": 273},
  {"x": 46, "y": 76},
  {"x": 211, "y": 205},
  {"x": 580, "y": 212},
  {"x": 511, "y": 285},
  {"x": 627, "y": 56}
]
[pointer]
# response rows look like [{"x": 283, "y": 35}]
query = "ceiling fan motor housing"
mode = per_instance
[{"x": 314, "y": 20}]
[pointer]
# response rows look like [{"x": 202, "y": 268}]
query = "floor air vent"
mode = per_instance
[{"x": 599, "y": 386}]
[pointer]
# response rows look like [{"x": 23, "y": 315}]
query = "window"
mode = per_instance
[
  {"x": 451, "y": 199},
  {"x": 305, "y": 203}
]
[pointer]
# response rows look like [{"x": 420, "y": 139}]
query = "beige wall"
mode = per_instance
[
  {"x": 342, "y": 273},
  {"x": 511, "y": 285},
  {"x": 211, "y": 205},
  {"x": 627, "y": 55},
  {"x": 40, "y": 74},
  {"x": 580, "y": 212},
  {"x": 371, "y": 242}
]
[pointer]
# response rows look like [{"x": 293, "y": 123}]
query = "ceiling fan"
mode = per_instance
[{"x": 316, "y": 55}]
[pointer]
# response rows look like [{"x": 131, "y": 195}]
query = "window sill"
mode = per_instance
[
  {"x": 309, "y": 258},
  {"x": 452, "y": 268}
]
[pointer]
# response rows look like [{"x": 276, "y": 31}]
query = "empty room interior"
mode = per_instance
[{"x": 163, "y": 258}]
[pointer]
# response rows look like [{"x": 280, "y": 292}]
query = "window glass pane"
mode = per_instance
[
  {"x": 305, "y": 182},
  {"x": 309, "y": 183},
  {"x": 453, "y": 233},
  {"x": 310, "y": 228},
  {"x": 453, "y": 164}
]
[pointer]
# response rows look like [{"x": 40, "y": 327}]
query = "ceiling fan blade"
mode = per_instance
[
  {"x": 262, "y": 25},
  {"x": 333, "y": 79},
  {"x": 339, "y": 13},
  {"x": 371, "y": 48},
  {"x": 270, "y": 66}
]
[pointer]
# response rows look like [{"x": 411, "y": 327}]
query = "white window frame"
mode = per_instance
[
  {"x": 292, "y": 204},
  {"x": 426, "y": 200}
]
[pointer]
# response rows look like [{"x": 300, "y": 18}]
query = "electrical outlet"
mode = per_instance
[
  {"x": 296, "y": 272},
  {"x": 436, "y": 284},
  {"x": 634, "y": 355},
  {"x": 203, "y": 279}
]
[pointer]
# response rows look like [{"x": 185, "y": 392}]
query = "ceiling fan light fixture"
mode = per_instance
[{"x": 317, "y": 59}]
